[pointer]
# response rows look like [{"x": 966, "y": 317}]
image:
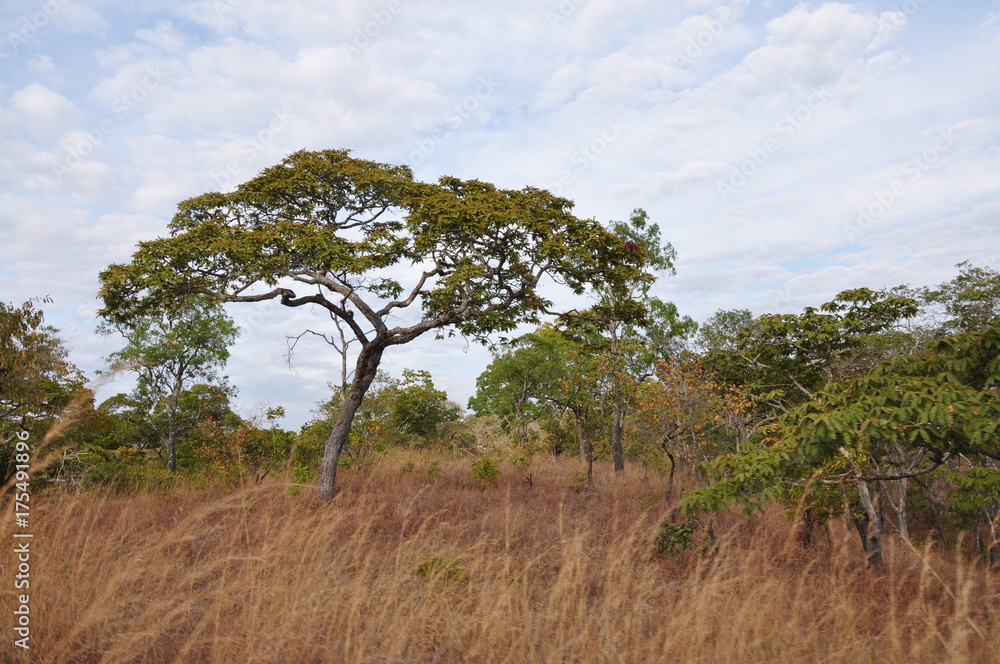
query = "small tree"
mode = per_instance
[
  {"x": 37, "y": 380},
  {"x": 324, "y": 229},
  {"x": 419, "y": 408},
  {"x": 169, "y": 350}
]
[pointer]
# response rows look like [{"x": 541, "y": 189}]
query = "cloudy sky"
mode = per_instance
[{"x": 788, "y": 150}]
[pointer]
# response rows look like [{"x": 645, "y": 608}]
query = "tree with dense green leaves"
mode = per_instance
[
  {"x": 37, "y": 379},
  {"x": 538, "y": 373},
  {"x": 968, "y": 303},
  {"x": 723, "y": 329},
  {"x": 327, "y": 230},
  {"x": 520, "y": 379},
  {"x": 419, "y": 408},
  {"x": 170, "y": 349},
  {"x": 780, "y": 361},
  {"x": 906, "y": 419}
]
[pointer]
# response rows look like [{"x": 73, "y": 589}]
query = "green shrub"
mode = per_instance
[
  {"x": 672, "y": 538},
  {"x": 442, "y": 569},
  {"x": 485, "y": 472},
  {"x": 433, "y": 472}
]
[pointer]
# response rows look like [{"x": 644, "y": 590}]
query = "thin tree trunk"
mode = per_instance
[
  {"x": 364, "y": 374},
  {"x": 673, "y": 467},
  {"x": 590, "y": 461},
  {"x": 873, "y": 536},
  {"x": 172, "y": 405},
  {"x": 522, "y": 423},
  {"x": 616, "y": 436},
  {"x": 994, "y": 545},
  {"x": 899, "y": 507}
]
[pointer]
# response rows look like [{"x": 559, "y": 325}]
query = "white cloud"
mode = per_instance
[{"x": 44, "y": 112}]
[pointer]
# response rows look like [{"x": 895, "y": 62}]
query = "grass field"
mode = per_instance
[{"x": 399, "y": 569}]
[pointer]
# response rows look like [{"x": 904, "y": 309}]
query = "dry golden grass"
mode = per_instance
[{"x": 511, "y": 574}]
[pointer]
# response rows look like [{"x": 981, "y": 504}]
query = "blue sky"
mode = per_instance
[{"x": 787, "y": 150}]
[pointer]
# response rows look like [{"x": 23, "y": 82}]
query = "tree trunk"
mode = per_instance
[
  {"x": 590, "y": 461},
  {"x": 579, "y": 437},
  {"x": 616, "y": 436},
  {"x": 364, "y": 374},
  {"x": 173, "y": 402},
  {"x": 899, "y": 507},
  {"x": 994, "y": 545},
  {"x": 873, "y": 537},
  {"x": 522, "y": 422}
]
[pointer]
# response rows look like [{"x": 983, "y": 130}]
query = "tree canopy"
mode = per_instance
[{"x": 328, "y": 230}]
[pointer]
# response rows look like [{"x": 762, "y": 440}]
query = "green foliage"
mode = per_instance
[
  {"x": 403, "y": 413},
  {"x": 348, "y": 462},
  {"x": 539, "y": 377},
  {"x": 781, "y": 361},
  {"x": 484, "y": 472},
  {"x": 580, "y": 481},
  {"x": 723, "y": 328},
  {"x": 418, "y": 408},
  {"x": 37, "y": 380},
  {"x": 303, "y": 475},
  {"x": 907, "y": 418},
  {"x": 326, "y": 213},
  {"x": 975, "y": 492},
  {"x": 673, "y": 538},
  {"x": 433, "y": 472},
  {"x": 520, "y": 460},
  {"x": 237, "y": 451},
  {"x": 168, "y": 350},
  {"x": 435, "y": 568},
  {"x": 968, "y": 303}
]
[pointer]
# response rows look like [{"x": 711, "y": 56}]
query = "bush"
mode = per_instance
[
  {"x": 485, "y": 472},
  {"x": 672, "y": 538},
  {"x": 443, "y": 569}
]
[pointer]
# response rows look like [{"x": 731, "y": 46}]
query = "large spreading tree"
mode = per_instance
[{"x": 390, "y": 257}]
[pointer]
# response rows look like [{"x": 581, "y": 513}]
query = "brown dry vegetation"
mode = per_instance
[{"x": 511, "y": 574}]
